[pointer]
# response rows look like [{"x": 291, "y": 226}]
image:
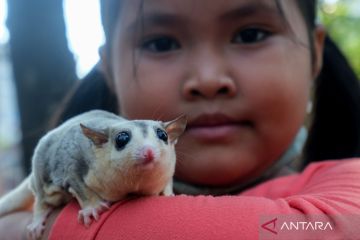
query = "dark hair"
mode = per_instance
[
  {"x": 308, "y": 11},
  {"x": 90, "y": 93},
  {"x": 109, "y": 14},
  {"x": 335, "y": 132}
]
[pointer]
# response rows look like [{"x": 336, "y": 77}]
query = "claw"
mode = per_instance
[
  {"x": 37, "y": 227},
  {"x": 106, "y": 205},
  {"x": 95, "y": 214},
  {"x": 92, "y": 212},
  {"x": 35, "y": 230}
]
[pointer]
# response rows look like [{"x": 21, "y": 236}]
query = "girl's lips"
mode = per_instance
[
  {"x": 213, "y": 133},
  {"x": 216, "y": 127}
]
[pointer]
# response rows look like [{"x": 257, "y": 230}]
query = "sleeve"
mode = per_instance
[{"x": 322, "y": 202}]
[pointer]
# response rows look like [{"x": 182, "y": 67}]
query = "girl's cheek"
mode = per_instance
[
  {"x": 276, "y": 86},
  {"x": 154, "y": 91}
]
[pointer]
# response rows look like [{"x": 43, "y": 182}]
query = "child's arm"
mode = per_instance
[
  {"x": 13, "y": 226},
  {"x": 326, "y": 188}
]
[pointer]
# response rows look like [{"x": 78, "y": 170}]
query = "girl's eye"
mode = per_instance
[
  {"x": 250, "y": 36},
  {"x": 161, "y": 44}
]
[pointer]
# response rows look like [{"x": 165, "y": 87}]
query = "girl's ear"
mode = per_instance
[
  {"x": 105, "y": 67},
  {"x": 319, "y": 39}
]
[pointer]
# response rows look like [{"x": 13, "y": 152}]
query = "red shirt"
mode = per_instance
[{"x": 322, "y": 202}]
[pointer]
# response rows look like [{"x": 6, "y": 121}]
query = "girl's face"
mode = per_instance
[{"x": 236, "y": 68}]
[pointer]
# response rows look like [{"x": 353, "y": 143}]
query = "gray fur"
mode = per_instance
[
  {"x": 82, "y": 168},
  {"x": 143, "y": 126},
  {"x": 66, "y": 163}
]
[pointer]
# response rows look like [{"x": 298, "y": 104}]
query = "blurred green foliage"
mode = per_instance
[{"x": 342, "y": 20}]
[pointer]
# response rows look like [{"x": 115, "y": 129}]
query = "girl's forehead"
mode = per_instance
[
  {"x": 203, "y": 16},
  {"x": 156, "y": 11}
]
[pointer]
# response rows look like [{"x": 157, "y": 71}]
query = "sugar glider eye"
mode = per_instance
[
  {"x": 122, "y": 139},
  {"x": 162, "y": 135}
]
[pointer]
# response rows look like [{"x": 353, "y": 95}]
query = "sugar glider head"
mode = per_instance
[{"x": 137, "y": 142}]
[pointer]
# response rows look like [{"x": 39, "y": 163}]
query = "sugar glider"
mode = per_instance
[{"x": 98, "y": 158}]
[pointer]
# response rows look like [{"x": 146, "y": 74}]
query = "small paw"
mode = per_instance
[
  {"x": 167, "y": 193},
  {"x": 92, "y": 212},
  {"x": 37, "y": 227},
  {"x": 35, "y": 230}
]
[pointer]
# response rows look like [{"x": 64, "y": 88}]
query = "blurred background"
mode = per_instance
[{"x": 47, "y": 46}]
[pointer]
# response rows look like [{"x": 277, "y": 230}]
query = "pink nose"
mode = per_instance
[{"x": 148, "y": 156}]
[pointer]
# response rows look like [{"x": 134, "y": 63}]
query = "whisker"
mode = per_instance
[
  {"x": 156, "y": 113},
  {"x": 181, "y": 156},
  {"x": 161, "y": 116}
]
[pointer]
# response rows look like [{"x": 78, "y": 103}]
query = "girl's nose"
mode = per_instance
[{"x": 209, "y": 80}]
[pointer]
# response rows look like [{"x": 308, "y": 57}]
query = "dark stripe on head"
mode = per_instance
[{"x": 144, "y": 128}]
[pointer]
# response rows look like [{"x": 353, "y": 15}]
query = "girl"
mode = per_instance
[{"x": 244, "y": 72}]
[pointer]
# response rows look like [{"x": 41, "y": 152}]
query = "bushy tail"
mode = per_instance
[{"x": 17, "y": 199}]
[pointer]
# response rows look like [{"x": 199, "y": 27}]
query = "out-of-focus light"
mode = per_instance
[
  {"x": 330, "y": 6},
  {"x": 84, "y": 32},
  {"x": 4, "y": 34},
  {"x": 331, "y": 1}
]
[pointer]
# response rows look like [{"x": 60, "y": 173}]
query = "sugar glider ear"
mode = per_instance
[
  {"x": 97, "y": 137},
  {"x": 175, "y": 128}
]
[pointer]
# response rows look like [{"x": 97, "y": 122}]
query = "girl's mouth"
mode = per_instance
[{"x": 216, "y": 127}]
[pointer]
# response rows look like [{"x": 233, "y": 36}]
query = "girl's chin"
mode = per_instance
[
  {"x": 215, "y": 171},
  {"x": 204, "y": 160}
]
